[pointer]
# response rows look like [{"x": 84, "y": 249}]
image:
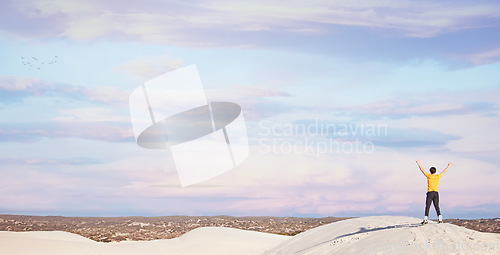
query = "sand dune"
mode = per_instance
[
  {"x": 208, "y": 241},
  {"x": 368, "y": 235},
  {"x": 389, "y": 235}
]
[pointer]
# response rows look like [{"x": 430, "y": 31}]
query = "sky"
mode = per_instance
[{"x": 340, "y": 98}]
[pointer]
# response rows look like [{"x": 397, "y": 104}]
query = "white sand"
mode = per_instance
[
  {"x": 368, "y": 235},
  {"x": 389, "y": 235},
  {"x": 216, "y": 241}
]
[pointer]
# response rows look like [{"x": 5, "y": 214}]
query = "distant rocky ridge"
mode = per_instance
[{"x": 115, "y": 229}]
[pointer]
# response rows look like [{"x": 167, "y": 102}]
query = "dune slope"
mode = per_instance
[
  {"x": 207, "y": 241},
  {"x": 368, "y": 235},
  {"x": 389, "y": 235}
]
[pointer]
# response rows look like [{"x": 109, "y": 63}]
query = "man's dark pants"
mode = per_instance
[{"x": 432, "y": 197}]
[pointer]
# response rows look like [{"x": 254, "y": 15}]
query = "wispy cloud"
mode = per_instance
[
  {"x": 422, "y": 19},
  {"x": 348, "y": 185},
  {"x": 440, "y": 103},
  {"x": 413, "y": 137},
  {"x": 397, "y": 108},
  {"x": 103, "y": 117},
  {"x": 91, "y": 114},
  {"x": 178, "y": 22},
  {"x": 238, "y": 92},
  {"x": 377, "y": 132},
  {"x": 32, "y": 132},
  {"x": 485, "y": 57},
  {"x": 15, "y": 88},
  {"x": 50, "y": 162},
  {"x": 257, "y": 102},
  {"x": 148, "y": 67}
]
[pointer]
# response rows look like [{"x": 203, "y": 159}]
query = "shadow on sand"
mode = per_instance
[{"x": 363, "y": 230}]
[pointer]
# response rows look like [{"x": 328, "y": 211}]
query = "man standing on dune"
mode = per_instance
[{"x": 432, "y": 191}]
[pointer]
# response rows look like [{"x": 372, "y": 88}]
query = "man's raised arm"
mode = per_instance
[
  {"x": 446, "y": 169},
  {"x": 421, "y": 169}
]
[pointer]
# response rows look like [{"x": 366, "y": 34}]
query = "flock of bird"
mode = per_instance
[{"x": 34, "y": 63}]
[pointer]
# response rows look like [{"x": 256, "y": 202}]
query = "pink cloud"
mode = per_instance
[
  {"x": 32, "y": 132},
  {"x": 16, "y": 87},
  {"x": 27, "y": 85},
  {"x": 173, "y": 22},
  {"x": 148, "y": 67},
  {"x": 444, "y": 103},
  {"x": 486, "y": 57}
]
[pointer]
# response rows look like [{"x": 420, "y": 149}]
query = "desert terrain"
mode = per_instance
[
  {"x": 365, "y": 235},
  {"x": 115, "y": 229},
  {"x": 112, "y": 229}
]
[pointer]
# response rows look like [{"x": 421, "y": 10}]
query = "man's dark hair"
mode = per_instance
[{"x": 433, "y": 170}]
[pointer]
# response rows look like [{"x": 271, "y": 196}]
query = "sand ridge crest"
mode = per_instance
[{"x": 389, "y": 235}]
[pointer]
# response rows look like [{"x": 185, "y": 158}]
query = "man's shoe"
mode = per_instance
[
  {"x": 440, "y": 221},
  {"x": 424, "y": 222}
]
